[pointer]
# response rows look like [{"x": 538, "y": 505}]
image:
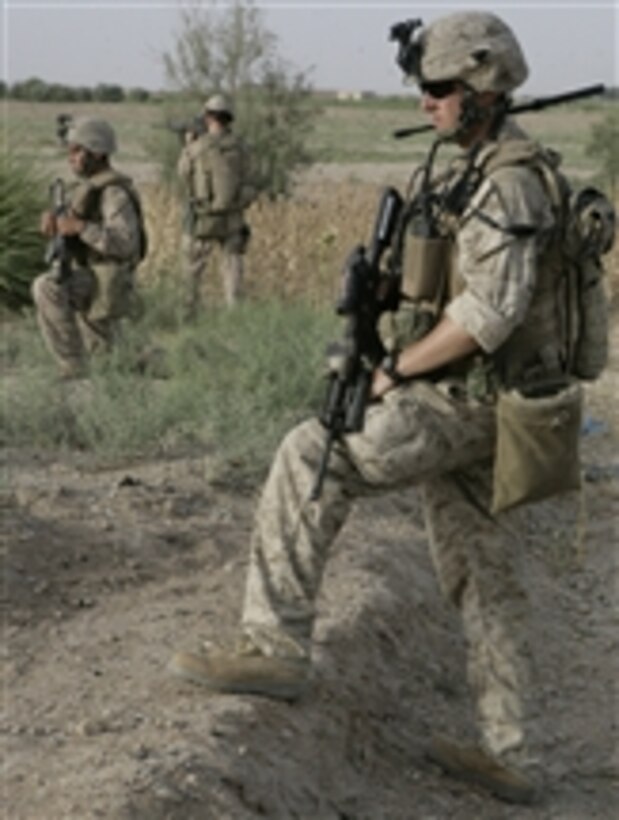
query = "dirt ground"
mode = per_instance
[{"x": 106, "y": 573}]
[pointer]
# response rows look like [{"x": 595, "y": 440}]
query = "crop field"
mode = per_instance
[
  {"x": 345, "y": 133},
  {"x": 298, "y": 245}
]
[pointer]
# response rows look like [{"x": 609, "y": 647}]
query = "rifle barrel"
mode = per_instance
[
  {"x": 522, "y": 108},
  {"x": 557, "y": 99}
]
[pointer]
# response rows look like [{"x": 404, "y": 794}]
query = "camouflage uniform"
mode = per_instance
[
  {"x": 437, "y": 435},
  {"x": 493, "y": 281},
  {"x": 80, "y": 315},
  {"x": 213, "y": 168}
]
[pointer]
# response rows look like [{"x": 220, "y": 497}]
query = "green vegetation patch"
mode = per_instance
[
  {"x": 22, "y": 198},
  {"x": 229, "y": 386}
]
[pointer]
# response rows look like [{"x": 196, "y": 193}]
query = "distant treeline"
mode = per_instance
[{"x": 37, "y": 90}]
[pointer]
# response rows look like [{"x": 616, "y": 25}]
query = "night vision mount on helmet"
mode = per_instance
[{"x": 475, "y": 47}]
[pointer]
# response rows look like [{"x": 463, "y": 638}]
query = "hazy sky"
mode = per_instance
[{"x": 343, "y": 44}]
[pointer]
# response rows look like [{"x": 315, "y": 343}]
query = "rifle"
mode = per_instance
[
  {"x": 522, "y": 108},
  {"x": 57, "y": 250},
  {"x": 195, "y": 126},
  {"x": 366, "y": 293}
]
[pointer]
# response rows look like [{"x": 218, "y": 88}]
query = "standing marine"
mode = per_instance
[
  {"x": 214, "y": 168},
  {"x": 480, "y": 317},
  {"x": 81, "y": 299}
]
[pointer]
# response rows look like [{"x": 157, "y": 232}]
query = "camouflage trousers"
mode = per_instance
[
  {"x": 69, "y": 325},
  {"x": 417, "y": 435},
  {"x": 196, "y": 256}
]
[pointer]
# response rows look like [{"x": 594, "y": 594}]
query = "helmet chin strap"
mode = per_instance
[
  {"x": 473, "y": 114},
  {"x": 93, "y": 163}
]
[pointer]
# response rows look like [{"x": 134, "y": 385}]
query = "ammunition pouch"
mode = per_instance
[
  {"x": 218, "y": 225},
  {"x": 426, "y": 281},
  {"x": 426, "y": 266},
  {"x": 113, "y": 293},
  {"x": 537, "y": 448}
]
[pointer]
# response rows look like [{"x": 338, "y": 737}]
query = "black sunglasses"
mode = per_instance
[{"x": 439, "y": 90}]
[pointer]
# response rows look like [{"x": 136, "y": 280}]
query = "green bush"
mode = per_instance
[
  {"x": 22, "y": 194},
  {"x": 229, "y": 385}
]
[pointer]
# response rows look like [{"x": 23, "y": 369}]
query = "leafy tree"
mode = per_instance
[
  {"x": 276, "y": 115},
  {"x": 104, "y": 92},
  {"x": 230, "y": 50},
  {"x": 83, "y": 93},
  {"x": 33, "y": 89},
  {"x": 218, "y": 49},
  {"x": 138, "y": 95},
  {"x": 56, "y": 92},
  {"x": 604, "y": 146}
]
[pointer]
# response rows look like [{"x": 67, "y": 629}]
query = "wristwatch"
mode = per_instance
[{"x": 389, "y": 366}]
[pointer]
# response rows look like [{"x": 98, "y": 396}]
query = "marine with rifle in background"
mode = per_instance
[
  {"x": 97, "y": 238},
  {"x": 214, "y": 168},
  {"x": 466, "y": 273}
]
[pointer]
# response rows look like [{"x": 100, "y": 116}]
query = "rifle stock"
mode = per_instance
[{"x": 366, "y": 293}]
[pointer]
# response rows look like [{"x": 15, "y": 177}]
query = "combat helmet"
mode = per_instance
[
  {"x": 475, "y": 47},
  {"x": 219, "y": 104},
  {"x": 96, "y": 136}
]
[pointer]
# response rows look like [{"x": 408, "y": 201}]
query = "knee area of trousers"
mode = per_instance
[
  {"x": 43, "y": 288},
  {"x": 37, "y": 288},
  {"x": 303, "y": 440}
]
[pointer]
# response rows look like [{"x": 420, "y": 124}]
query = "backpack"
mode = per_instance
[
  {"x": 588, "y": 235},
  {"x": 586, "y": 230}
]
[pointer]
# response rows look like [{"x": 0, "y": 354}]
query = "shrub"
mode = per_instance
[
  {"x": 21, "y": 202},
  {"x": 229, "y": 385}
]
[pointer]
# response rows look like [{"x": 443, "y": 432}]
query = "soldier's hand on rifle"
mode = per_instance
[
  {"x": 69, "y": 224},
  {"x": 386, "y": 377},
  {"x": 48, "y": 224},
  {"x": 381, "y": 383}
]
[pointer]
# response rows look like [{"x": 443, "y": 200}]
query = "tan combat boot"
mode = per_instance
[
  {"x": 479, "y": 768},
  {"x": 244, "y": 671}
]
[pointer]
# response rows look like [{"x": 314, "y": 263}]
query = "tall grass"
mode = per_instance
[
  {"x": 22, "y": 192},
  {"x": 229, "y": 385},
  {"x": 297, "y": 250}
]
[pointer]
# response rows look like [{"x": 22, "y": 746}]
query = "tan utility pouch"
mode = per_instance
[
  {"x": 113, "y": 291},
  {"x": 211, "y": 226},
  {"x": 537, "y": 450},
  {"x": 426, "y": 268}
]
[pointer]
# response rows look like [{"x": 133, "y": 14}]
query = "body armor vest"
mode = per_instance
[
  {"x": 86, "y": 204},
  {"x": 430, "y": 269}
]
